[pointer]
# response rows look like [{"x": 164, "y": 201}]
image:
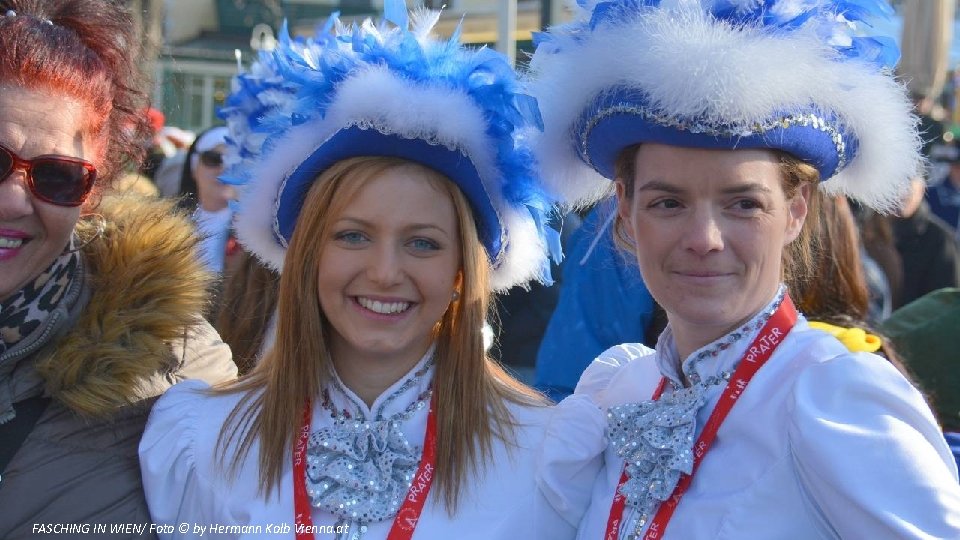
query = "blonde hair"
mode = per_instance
[{"x": 470, "y": 389}]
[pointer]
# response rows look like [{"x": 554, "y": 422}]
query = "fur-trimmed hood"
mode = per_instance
[{"x": 147, "y": 289}]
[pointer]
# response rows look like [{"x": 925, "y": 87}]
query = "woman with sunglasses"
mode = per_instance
[
  {"x": 100, "y": 295},
  {"x": 203, "y": 193},
  {"x": 377, "y": 413},
  {"x": 717, "y": 123}
]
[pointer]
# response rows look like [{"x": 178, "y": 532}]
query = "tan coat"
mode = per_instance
[{"x": 134, "y": 330}]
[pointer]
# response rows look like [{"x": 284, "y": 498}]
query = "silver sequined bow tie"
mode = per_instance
[
  {"x": 360, "y": 471},
  {"x": 655, "y": 440}
]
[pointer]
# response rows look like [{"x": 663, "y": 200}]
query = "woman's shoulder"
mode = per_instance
[
  {"x": 818, "y": 351},
  {"x": 621, "y": 374},
  {"x": 816, "y": 358},
  {"x": 187, "y": 419},
  {"x": 194, "y": 403},
  {"x": 857, "y": 426},
  {"x": 571, "y": 459},
  {"x": 628, "y": 366},
  {"x": 142, "y": 254},
  {"x": 184, "y": 477},
  {"x": 873, "y": 390},
  {"x": 862, "y": 373},
  {"x": 184, "y": 429}
]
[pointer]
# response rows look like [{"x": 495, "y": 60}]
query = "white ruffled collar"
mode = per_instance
[
  {"x": 717, "y": 358},
  {"x": 393, "y": 400},
  {"x": 360, "y": 465}
]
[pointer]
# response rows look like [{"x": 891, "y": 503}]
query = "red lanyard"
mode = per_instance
[
  {"x": 759, "y": 351},
  {"x": 406, "y": 520}
]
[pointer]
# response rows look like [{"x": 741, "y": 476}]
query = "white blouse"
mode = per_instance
[
  {"x": 822, "y": 444},
  {"x": 188, "y": 488}
]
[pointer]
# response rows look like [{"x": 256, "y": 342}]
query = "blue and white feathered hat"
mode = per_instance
[
  {"x": 388, "y": 90},
  {"x": 778, "y": 74}
]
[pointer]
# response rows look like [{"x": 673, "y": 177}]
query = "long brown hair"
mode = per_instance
[
  {"x": 248, "y": 302},
  {"x": 839, "y": 288},
  {"x": 471, "y": 391},
  {"x": 836, "y": 291}
]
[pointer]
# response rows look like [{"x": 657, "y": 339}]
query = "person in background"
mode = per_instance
[
  {"x": 100, "y": 295},
  {"x": 719, "y": 123},
  {"x": 883, "y": 268},
  {"x": 202, "y": 192},
  {"x": 836, "y": 290},
  {"x": 377, "y": 411},
  {"x": 176, "y": 143},
  {"x": 931, "y": 129},
  {"x": 943, "y": 196},
  {"x": 835, "y": 296},
  {"x": 927, "y": 247}
]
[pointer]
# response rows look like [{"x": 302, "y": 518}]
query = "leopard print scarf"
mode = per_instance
[{"x": 28, "y": 309}]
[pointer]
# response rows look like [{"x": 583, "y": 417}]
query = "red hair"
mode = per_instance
[{"x": 85, "y": 50}]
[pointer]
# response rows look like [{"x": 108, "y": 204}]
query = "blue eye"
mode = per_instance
[
  {"x": 350, "y": 237},
  {"x": 424, "y": 244}
]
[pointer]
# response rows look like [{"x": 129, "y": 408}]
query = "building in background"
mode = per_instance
[{"x": 199, "y": 38}]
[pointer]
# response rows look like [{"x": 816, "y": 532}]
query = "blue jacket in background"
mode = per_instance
[{"x": 603, "y": 302}]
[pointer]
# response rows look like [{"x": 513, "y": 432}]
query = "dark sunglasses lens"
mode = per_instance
[
  {"x": 211, "y": 158},
  {"x": 61, "y": 182},
  {"x": 6, "y": 163}
]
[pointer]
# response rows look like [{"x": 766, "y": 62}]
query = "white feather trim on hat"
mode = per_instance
[
  {"x": 691, "y": 65},
  {"x": 301, "y": 97},
  {"x": 376, "y": 98}
]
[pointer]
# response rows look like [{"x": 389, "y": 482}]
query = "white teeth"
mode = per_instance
[
  {"x": 10, "y": 243},
  {"x": 384, "y": 308}
]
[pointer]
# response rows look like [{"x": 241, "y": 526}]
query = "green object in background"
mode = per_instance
[{"x": 926, "y": 335}]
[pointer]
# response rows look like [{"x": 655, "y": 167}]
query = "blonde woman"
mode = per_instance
[{"x": 377, "y": 413}]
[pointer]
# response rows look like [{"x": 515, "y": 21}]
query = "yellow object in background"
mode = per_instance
[{"x": 855, "y": 339}]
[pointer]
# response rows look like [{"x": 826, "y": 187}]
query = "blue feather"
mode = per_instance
[
  {"x": 880, "y": 51},
  {"x": 539, "y": 38},
  {"x": 457, "y": 32},
  {"x": 862, "y": 10},
  {"x": 527, "y": 105},
  {"x": 327, "y": 26},
  {"x": 554, "y": 245},
  {"x": 297, "y": 82},
  {"x": 618, "y": 11},
  {"x": 356, "y": 39},
  {"x": 395, "y": 11}
]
